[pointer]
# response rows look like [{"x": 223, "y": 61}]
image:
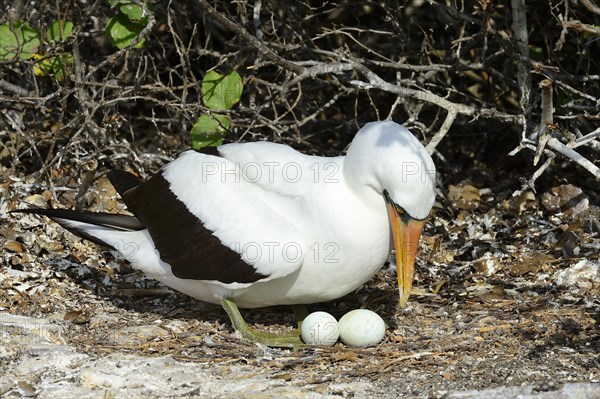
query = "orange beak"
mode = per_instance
[{"x": 406, "y": 233}]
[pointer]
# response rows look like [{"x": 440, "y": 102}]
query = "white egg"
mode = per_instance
[
  {"x": 361, "y": 327},
  {"x": 320, "y": 328}
]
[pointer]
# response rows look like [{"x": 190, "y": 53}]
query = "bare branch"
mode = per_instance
[
  {"x": 585, "y": 139},
  {"x": 256, "y": 19},
  {"x": 251, "y": 40},
  {"x": 374, "y": 81},
  {"x": 18, "y": 90},
  {"x": 577, "y": 25},
  {"x": 522, "y": 42},
  {"x": 304, "y": 68},
  {"x": 442, "y": 132},
  {"x": 575, "y": 156},
  {"x": 590, "y": 6},
  {"x": 546, "y": 120},
  {"x": 540, "y": 170}
]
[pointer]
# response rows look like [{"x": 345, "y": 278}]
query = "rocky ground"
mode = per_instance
[{"x": 505, "y": 305}]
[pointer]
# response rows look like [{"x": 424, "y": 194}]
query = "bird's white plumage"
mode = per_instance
[
  {"x": 280, "y": 169},
  {"x": 216, "y": 192},
  {"x": 271, "y": 199},
  {"x": 385, "y": 155}
]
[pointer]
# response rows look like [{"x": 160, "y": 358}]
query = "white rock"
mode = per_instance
[
  {"x": 583, "y": 274},
  {"x": 320, "y": 328},
  {"x": 361, "y": 327}
]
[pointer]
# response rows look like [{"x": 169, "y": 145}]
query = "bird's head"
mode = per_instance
[{"x": 387, "y": 158}]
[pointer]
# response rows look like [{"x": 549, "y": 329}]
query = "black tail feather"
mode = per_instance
[{"x": 110, "y": 220}]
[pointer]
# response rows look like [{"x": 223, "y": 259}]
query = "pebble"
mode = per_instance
[{"x": 581, "y": 275}]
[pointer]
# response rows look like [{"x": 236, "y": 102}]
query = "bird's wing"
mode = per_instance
[
  {"x": 212, "y": 226},
  {"x": 123, "y": 181},
  {"x": 281, "y": 169}
]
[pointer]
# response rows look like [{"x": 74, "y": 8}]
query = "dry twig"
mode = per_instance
[{"x": 307, "y": 71}]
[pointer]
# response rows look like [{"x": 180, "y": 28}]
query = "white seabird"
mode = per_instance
[{"x": 260, "y": 224}]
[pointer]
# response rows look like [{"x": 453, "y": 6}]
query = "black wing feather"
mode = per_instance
[
  {"x": 181, "y": 238},
  {"x": 123, "y": 181}
]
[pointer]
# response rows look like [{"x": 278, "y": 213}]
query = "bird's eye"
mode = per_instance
[{"x": 397, "y": 207}]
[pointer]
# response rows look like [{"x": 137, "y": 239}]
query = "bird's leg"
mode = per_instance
[
  {"x": 291, "y": 340},
  {"x": 300, "y": 312}
]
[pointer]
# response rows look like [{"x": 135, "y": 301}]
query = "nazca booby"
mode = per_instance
[{"x": 261, "y": 224}]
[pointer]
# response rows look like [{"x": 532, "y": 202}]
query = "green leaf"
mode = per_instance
[
  {"x": 133, "y": 11},
  {"x": 221, "y": 92},
  {"x": 122, "y": 31},
  {"x": 125, "y": 4},
  {"x": 209, "y": 130},
  {"x": 54, "y": 33},
  {"x": 26, "y": 45},
  {"x": 113, "y": 3},
  {"x": 8, "y": 44},
  {"x": 29, "y": 38}
]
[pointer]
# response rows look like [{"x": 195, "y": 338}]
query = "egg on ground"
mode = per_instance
[
  {"x": 320, "y": 328},
  {"x": 361, "y": 327}
]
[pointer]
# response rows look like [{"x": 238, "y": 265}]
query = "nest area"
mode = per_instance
[{"x": 507, "y": 271}]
